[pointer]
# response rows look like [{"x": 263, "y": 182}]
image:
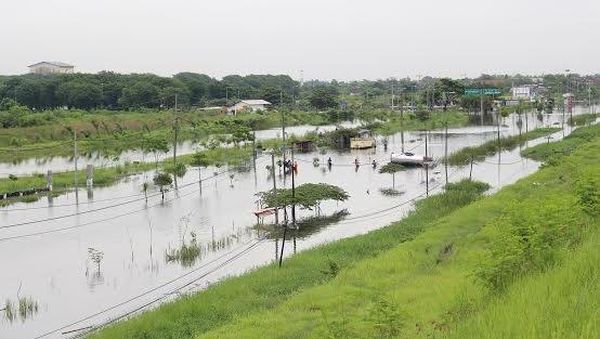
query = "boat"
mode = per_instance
[
  {"x": 364, "y": 140},
  {"x": 408, "y": 158}
]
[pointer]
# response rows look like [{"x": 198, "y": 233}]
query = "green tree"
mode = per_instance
[
  {"x": 323, "y": 96},
  {"x": 392, "y": 168},
  {"x": 162, "y": 180},
  {"x": 155, "y": 144}
]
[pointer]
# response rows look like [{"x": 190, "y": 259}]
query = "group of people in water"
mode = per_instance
[
  {"x": 356, "y": 163},
  {"x": 289, "y": 166}
]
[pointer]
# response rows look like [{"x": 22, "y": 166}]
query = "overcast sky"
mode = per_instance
[{"x": 326, "y": 39}]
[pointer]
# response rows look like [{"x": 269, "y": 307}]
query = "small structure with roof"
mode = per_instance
[
  {"x": 51, "y": 67},
  {"x": 363, "y": 140},
  {"x": 248, "y": 106}
]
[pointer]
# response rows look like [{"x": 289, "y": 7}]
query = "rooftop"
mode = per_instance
[
  {"x": 55, "y": 63},
  {"x": 256, "y": 102}
]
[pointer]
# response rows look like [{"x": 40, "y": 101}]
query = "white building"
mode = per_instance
[
  {"x": 248, "y": 106},
  {"x": 523, "y": 93},
  {"x": 51, "y": 67}
]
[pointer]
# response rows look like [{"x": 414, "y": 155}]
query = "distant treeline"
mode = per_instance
[
  {"x": 113, "y": 91},
  {"x": 132, "y": 91}
]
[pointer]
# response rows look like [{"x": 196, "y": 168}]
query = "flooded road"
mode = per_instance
[{"x": 115, "y": 253}]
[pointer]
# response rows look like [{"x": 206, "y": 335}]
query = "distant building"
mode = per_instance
[
  {"x": 51, "y": 67},
  {"x": 248, "y": 106},
  {"x": 527, "y": 92}
]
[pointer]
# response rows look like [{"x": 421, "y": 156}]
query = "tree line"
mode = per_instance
[{"x": 115, "y": 91}]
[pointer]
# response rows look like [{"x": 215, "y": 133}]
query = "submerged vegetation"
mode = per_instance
[{"x": 23, "y": 308}]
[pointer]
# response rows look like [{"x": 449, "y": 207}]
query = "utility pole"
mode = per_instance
[
  {"x": 498, "y": 127},
  {"x": 176, "y": 133},
  {"x": 446, "y": 149},
  {"x": 283, "y": 244},
  {"x": 274, "y": 184},
  {"x": 293, "y": 189},
  {"x": 75, "y": 158},
  {"x": 283, "y": 138},
  {"x": 401, "y": 126},
  {"x": 426, "y": 162},
  {"x": 280, "y": 98},
  {"x": 481, "y": 107},
  {"x": 392, "y": 96}
]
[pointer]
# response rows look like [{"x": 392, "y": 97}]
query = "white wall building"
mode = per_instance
[
  {"x": 51, "y": 67},
  {"x": 248, "y": 106},
  {"x": 523, "y": 93}
]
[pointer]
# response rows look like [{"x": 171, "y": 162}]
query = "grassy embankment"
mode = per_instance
[
  {"x": 520, "y": 263},
  {"x": 489, "y": 148}
]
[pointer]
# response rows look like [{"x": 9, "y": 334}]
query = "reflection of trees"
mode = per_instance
[{"x": 305, "y": 227}]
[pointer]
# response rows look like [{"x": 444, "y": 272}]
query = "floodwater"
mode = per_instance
[
  {"x": 62, "y": 163},
  {"x": 91, "y": 260}
]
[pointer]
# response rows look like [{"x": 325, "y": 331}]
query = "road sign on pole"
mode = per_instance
[{"x": 482, "y": 91}]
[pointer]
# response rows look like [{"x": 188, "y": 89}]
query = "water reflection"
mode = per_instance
[{"x": 304, "y": 227}]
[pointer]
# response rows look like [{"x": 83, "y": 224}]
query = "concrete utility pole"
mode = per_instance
[
  {"x": 274, "y": 184},
  {"x": 176, "y": 133},
  {"x": 283, "y": 138},
  {"x": 446, "y": 149},
  {"x": 75, "y": 158},
  {"x": 426, "y": 164},
  {"x": 293, "y": 189},
  {"x": 481, "y": 107}
]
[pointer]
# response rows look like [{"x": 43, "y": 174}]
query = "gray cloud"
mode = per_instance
[{"x": 342, "y": 39}]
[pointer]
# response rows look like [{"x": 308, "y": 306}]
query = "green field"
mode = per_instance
[{"x": 520, "y": 263}]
